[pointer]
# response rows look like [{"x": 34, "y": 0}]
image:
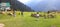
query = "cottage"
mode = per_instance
[{"x": 4, "y": 6}]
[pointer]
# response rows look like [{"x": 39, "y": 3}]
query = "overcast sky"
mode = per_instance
[
  {"x": 42, "y": 4},
  {"x": 30, "y": 1}
]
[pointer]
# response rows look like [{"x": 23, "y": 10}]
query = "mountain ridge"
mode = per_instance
[{"x": 16, "y": 5}]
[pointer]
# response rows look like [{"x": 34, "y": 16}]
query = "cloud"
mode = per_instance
[{"x": 24, "y": 1}]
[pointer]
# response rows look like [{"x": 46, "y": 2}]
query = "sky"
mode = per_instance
[
  {"x": 29, "y": 1},
  {"x": 42, "y": 5}
]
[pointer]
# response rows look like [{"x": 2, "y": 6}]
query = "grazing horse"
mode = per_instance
[
  {"x": 10, "y": 13},
  {"x": 51, "y": 16},
  {"x": 35, "y": 15}
]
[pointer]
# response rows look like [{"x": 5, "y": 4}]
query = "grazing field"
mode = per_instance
[{"x": 28, "y": 21}]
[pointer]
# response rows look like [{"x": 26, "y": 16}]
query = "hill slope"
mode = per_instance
[{"x": 16, "y": 5}]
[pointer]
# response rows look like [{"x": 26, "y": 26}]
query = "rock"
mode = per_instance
[
  {"x": 53, "y": 25},
  {"x": 2, "y": 25}
]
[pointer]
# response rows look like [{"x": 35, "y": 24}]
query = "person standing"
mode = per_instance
[
  {"x": 14, "y": 13},
  {"x": 37, "y": 15},
  {"x": 22, "y": 13}
]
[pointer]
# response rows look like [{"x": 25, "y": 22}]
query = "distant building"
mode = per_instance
[{"x": 5, "y": 6}]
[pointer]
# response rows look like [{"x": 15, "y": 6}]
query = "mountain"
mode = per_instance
[
  {"x": 45, "y": 5},
  {"x": 16, "y": 5}
]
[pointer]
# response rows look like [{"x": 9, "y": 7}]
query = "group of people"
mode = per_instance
[
  {"x": 14, "y": 13},
  {"x": 49, "y": 15},
  {"x": 37, "y": 15}
]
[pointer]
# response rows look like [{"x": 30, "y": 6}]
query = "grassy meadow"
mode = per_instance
[{"x": 28, "y": 21}]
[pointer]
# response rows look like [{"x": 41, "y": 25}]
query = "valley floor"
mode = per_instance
[{"x": 28, "y": 21}]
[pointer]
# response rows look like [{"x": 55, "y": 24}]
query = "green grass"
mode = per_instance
[{"x": 27, "y": 21}]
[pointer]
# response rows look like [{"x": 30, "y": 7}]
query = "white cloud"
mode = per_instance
[
  {"x": 30, "y": 1},
  {"x": 24, "y": 1}
]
